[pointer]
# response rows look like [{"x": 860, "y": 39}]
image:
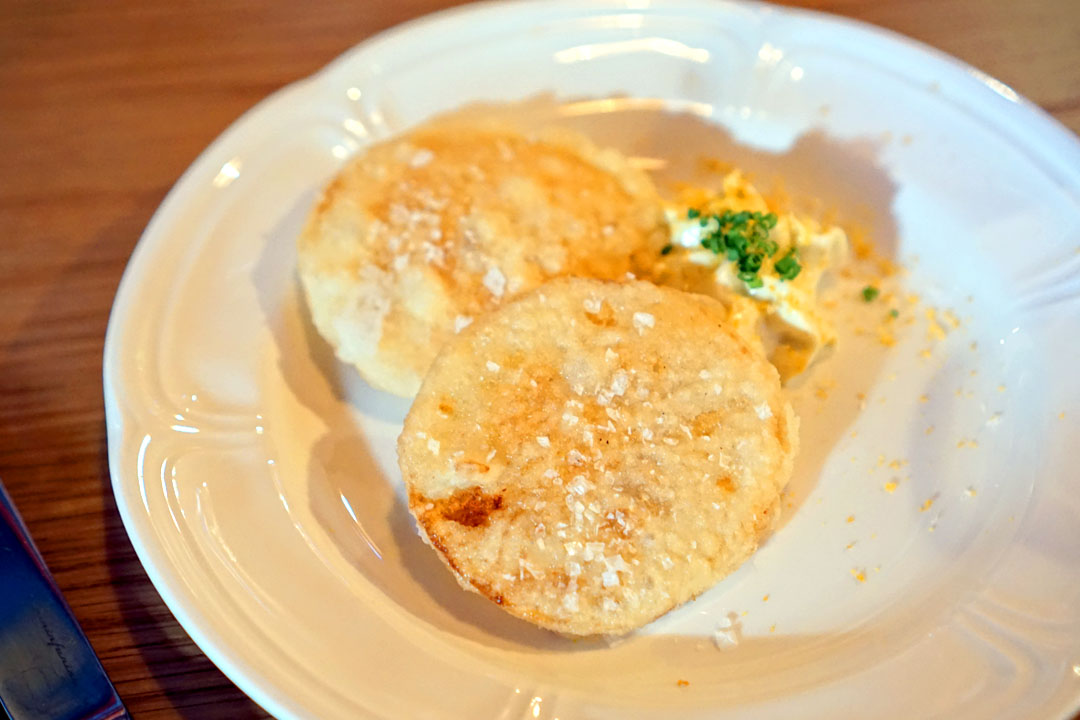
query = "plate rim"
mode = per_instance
[{"x": 1049, "y": 133}]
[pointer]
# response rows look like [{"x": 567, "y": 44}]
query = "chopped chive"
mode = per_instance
[
  {"x": 870, "y": 293},
  {"x": 743, "y": 238},
  {"x": 752, "y": 279},
  {"x": 788, "y": 267},
  {"x": 750, "y": 262},
  {"x": 666, "y": 249},
  {"x": 894, "y": 313}
]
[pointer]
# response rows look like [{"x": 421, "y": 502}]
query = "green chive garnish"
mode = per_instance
[
  {"x": 788, "y": 267},
  {"x": 743, "y": 238}
]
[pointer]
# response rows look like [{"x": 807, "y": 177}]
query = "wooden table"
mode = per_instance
[{"x": 102, "y": 106}]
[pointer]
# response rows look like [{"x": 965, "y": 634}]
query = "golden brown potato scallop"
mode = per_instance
[
  {"x": 420, "y": 235},
  {"x": 594, "y": 454}
]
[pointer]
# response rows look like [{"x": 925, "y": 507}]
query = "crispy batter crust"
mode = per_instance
[
  {"x": 594, "y": 454},
  {"x": 421, "y": 234}
]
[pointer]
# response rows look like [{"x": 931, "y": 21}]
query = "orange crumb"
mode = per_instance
[
  {"x": 890, "y": 486},
  {"x": 927, "y": 505},
  {"x": 1001, "y": 388},
  {"x": 772, "y": 628},
  {"x": 862, "y": 247},
  {"x": 850, "y": 545},
  {"x": 717, "y": 165},
  {"x": 859, "y": 575},
  {"x": 851, "y": 518},
  {"x": 683, "y": 683},
  {"x": 1061, "y": 416},
  {"x": 929, "y": 429},
  {"x": 970, "y": 492},
  {"x": 934, "y": 331},
  {"x": 925, "y": 354},
  {"x": 765, "y": 598},
  {"x": 886, "y": 267},
  {"x": 924, "y": 398}
]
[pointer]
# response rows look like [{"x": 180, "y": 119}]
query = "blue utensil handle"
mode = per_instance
[{"x": 48, "y": 670}]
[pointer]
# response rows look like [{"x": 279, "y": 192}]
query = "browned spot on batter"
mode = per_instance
[
  {"x": 328, "y": 196},
  {"x": 485, "y": 589},
  {"x": 763, "y": 521},
  {"x": 726, "y": 484},
  {"x": 470, "y": 507},
  {"x": 604, "y": 317},
  {"x": 706, "y": 423},
  {"x": 481, "y": 587},
  {"x": 445, "y": 408},
  {"x": 524, "y": 409},
  {"x": 467, "y": 466}
]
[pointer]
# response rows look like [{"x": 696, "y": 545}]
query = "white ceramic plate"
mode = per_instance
[{"x": 257, "y": 476}]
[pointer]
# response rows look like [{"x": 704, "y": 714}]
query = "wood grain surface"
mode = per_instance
[{"x": 102, "y": 107}]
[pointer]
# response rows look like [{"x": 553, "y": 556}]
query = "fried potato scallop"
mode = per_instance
[
  {"x": 421, "y": 234},
  {"x": 595, "y": 454}
]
